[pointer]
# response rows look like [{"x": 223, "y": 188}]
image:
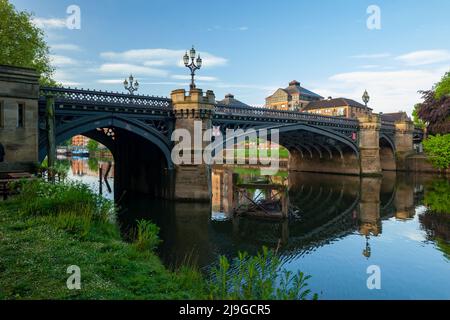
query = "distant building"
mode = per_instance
[
  {"x": 339, "y": 107},
  {"x": 293, "y": 97},
  {"x": 396, "y": 116},
  {"x": 230, "y": 101},
  {"x": 80, "y": 141}
]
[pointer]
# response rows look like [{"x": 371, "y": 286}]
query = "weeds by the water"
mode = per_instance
[
  {"x": 256, "y": 278},
  {"x": 147, "y": 236},
  {"x": 50, "y": 226}
]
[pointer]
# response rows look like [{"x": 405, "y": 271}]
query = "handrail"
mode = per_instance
[
  {"x": 264, "y": 112},
  {"x": 104, "y": 98}
]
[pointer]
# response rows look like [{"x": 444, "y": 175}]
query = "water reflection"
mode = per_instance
[{"x": 340, "y": 226}]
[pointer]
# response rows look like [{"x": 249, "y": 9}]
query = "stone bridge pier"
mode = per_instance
[{"x": 193, "y": 113}]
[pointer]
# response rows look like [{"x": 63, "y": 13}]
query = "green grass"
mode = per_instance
[
  {"x": 36, "y": 248},
  {"x": 51, "y": 227},
  {"x": 283, "y": 153}
]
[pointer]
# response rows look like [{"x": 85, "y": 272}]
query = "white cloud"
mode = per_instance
[
  {"x": 390, "y": 91},
  {"x": 220, "y": 28},
  {"x": 199, "y": 78},
  {"x": 49, "y": 23},
  {"x": 126, "y": 69},
  {"x": 372, "y": 56},
  {"x": 65, "y": 47},
  {"x": 155, "y": 63},
  {"x": 418, "y": 58},
  {"x": 153, "y": 57},
  {"x": 110, "y": 81},
  {"x": 65, "y": 78},
  {"x": 60, "y": 61}
]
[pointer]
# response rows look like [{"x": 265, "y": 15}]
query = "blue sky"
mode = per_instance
[{"x": 252, "y": 47}]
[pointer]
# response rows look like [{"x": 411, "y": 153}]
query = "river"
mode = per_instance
[{"x": 341, "y": 226}]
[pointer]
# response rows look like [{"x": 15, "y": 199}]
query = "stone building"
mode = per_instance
[
  {"x": 19, "y": 91},
  {"x": 339, "y": 107},
  {"x": 293, "y": 97},
  {"x": 80, "y": 141}
]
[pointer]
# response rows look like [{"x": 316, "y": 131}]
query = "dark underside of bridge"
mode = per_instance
[{"x": 139, "y": 165}]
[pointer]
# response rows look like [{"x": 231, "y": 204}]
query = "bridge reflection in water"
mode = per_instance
[
  {"x": 330, "y": 207},
  {"x": 343, "y": 225}
]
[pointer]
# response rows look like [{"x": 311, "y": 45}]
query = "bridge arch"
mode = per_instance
[
  {"x": 308, "y": 145},
  {"x": 87, "y": 125},
  {"x": 387, "y": 153}
]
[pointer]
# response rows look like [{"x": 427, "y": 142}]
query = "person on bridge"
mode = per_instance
[{"x": 2, "y": 153}]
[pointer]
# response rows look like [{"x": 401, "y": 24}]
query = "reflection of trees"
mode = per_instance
[
  {"x": 93, "y": 164},
  {"x": 437, "y": 227},
  {"x": 63, "y": 164},
  {"x": 436, "y": 221},
  {"x": 437, "y": 196}
]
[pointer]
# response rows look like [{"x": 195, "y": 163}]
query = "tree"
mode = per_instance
[
  {"x": 436, "y": 113},
  {"x": 443, "y": 87},
  {"x": 438, "y": 150},
  {"x": 417, "y": 121},
  {"x": 22, "y": 42},
  {"x": 92, "y": 145}
]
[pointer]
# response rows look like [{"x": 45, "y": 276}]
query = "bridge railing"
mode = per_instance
[
  {"x": 281, "y": 114},
  {"x": 94, "y": 97}
]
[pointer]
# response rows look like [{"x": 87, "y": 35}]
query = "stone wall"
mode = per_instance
[
  {"x": 19, "y": 86},
  {"x": 193, "y": 181}
]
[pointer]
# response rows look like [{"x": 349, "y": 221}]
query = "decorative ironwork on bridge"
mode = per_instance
[{"x": 103, "y": 98}]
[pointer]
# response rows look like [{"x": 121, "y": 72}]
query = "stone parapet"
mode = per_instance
[{"x": 19, "y": 93}]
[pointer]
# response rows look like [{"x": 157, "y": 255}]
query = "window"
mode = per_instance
[{"x": 20, "y": 115}]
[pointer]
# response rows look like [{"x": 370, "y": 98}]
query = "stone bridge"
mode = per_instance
[{"x": 137, "y": 129}]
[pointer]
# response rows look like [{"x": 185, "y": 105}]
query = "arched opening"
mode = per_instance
[
  {"x": 387, "y": 154},
  {"x": 84, "y": 159},
  {"x": 311, "y": 149},
  {"x": 141, "y": 157}
]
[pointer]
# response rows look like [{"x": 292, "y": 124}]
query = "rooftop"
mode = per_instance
[
  {"x": 295, "y": 87},
  {"x": 395, "y": 116},
  {"x": 230, "y": 101},
  {"x": 337, "y": 102}
]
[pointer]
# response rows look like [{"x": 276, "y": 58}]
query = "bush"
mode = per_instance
[
  {"x": 69, "y": 206},
  {"x": 147, "y": 236},
  {"x": 256, "y": 278},
  {"x": 438, "y": 149}
]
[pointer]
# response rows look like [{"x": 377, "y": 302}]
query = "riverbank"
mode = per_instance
[
  {"x": 49, "y": 231},
  {"x": 37, "y": 248}
]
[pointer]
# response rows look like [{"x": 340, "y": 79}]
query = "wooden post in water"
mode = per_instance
[
  {"x": 100, "y": 177},
  {"x": 51, "y": 137}
]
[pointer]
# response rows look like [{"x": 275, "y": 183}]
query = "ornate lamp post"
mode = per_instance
[
  {"x": 366, "y": 97},
  {"x": 194, "y": 64},
  {"x": 131, "y": 85}
]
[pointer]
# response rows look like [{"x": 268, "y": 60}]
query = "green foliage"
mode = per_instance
[
  {"x": 62, "y": 224},
  {"x": 36, "y": 251},
  {"x": 416, "y": 119},
  {"x": 443, "y": 87},
  {"x": 147, "y": 236},
  {"x": 437, "y": 196},
  {"x": 22, "y": 43},
  {"x": 438, "y": 149},
  {"x": 40, "y": 198},
  {"x": 92, "y": 145},
  {"x": 93, "y": 164},
  {"x": 256, "y": 278}
]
